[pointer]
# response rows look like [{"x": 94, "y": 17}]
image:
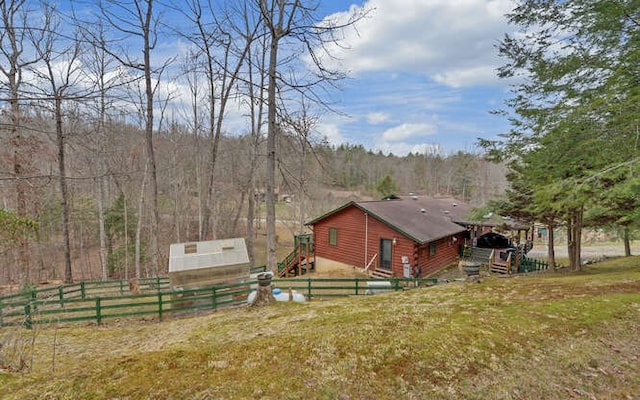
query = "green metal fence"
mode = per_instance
[
  {"x": 87, "y": 289},
  {"x": 532, "y": 265},
  {"x": 96, "y": 302}
]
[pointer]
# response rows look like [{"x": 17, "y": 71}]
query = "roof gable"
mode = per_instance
[{"x": 420, "y": 221}]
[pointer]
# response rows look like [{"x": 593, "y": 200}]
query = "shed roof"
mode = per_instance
[
  {"x": 421, "y": 219},
  {"x": 207, "y": 254}
]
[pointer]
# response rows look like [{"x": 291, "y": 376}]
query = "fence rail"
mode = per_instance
[
  {"x": 532, "y": 265},
  {"x": 97, "y": 301}
]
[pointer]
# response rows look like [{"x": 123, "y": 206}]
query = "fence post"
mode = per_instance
[
  {"x": 83, "y": 291},
  {"x": 98, "y": 311},
  {"x": 396, "y": 284},
  {"x": 160, "y": 305},
  {"x": 27, "y": 315},
  {"x": 309, "y": 288},
  {"x": 34, "y": 298},
  {"x": 357, "y": 281},
  {"x": 158, "y": 283},
  {"x": 121, "y": 286}
]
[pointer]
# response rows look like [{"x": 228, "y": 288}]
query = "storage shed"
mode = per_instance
[{"x": 196, "y": 265}]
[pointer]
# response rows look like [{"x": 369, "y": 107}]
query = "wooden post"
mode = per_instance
[
  {"x": 299, "y": 257},
  {"x": 61, "y": 295},
  {"x": 27, "y": 316},
  {"x": 160, "y": 306},
  {"x": 98, "y": 311}
]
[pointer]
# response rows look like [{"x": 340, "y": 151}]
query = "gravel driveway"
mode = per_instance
[{"x": 588, "y": 251}]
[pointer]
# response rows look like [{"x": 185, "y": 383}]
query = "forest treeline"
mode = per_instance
[
  {"x": 313, "y": 177},
  {"x": 129, "y": 125}
]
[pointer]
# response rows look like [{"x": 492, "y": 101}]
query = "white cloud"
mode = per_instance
[
  {"x": 466, "y": 76},
  {"x": 331, "y": 132},
  {"x": 402, "y": 149},
  {"x": 407, "y": 131},
  {"x": 376, "y": 118},
  {"x": 451, "y": 41}
]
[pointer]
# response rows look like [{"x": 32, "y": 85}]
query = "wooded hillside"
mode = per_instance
[
  {"x": 114, "y": 146},
  {"x": 312, "y": 179}
]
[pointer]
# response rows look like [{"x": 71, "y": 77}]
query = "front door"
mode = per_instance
[{"x": 385, "y": 254}]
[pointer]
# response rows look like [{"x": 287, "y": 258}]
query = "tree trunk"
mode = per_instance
[
  {"x": 214, "y": 139},
  {"x": 20, "y": 186},
  {"x": 264, "y": 293},
  {"x": 271, "y": 164},
  {"x": 251, "y": 231},
  {"x": 627, "y": 242},
  {"x": 13, "y": 73},
  {"x": 276, "y": 32},
  {"x": 138, "y": 227},
  {"x": 154, "y": 252},
  {"x": 177, "y": 219},
  {"x": 256, "y": 114},
  {"x": 551, "y": 251},
  {"x": 574, "y": 236},
  {"x": 101, "y": 226},
  {"x": 68, "y": 274}
]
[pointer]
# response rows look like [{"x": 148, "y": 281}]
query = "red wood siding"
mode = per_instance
[
  {"x": 447, "y": 252},
  {"x": 354, "y": 241}
]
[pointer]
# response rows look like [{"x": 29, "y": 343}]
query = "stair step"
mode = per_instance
[
  {"x": 500, "y": 269},
  {"x": 381, "y": 273}
]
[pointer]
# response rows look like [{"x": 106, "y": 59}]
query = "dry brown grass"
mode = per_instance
[{"x": 569, "y": 336}]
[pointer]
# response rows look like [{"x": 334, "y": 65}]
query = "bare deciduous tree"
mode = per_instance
[
  {"x": 138, "y": 19},
  {"x": 221, "y": 46},
  {"x": 97, "y": 68},
  {"x": 295, "y": 20},
  {"x": 59, "y": 76},
  {"x": 14, "y": 60}
]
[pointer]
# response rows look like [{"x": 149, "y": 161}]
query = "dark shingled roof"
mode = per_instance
[{"x": 421, "y": 219}]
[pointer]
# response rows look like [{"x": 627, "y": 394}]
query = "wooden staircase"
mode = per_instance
[
  {"x": 502, "y": 262},
  {"x": 379, "y": 273},
  {"x": 301, "y": 260},
  {"x": 296, "y": 266}
]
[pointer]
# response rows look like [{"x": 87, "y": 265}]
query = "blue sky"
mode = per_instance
[{"x": 422, "y": 75}]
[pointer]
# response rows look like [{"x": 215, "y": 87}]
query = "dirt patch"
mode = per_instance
[{"x": 329, "y": 270}]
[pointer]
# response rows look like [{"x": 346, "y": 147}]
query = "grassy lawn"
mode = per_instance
[{"x": 541, "y": 336}]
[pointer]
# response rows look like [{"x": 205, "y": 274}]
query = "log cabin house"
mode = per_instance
[{"x": 408, "y": 237}]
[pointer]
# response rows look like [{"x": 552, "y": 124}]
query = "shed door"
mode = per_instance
[{"x": 385, "y": 254}]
